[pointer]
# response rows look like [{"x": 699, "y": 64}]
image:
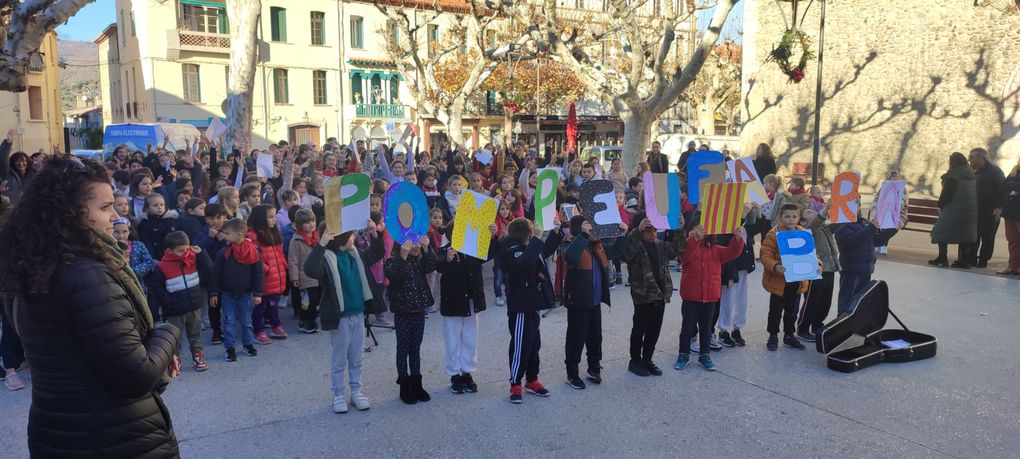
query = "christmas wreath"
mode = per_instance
[{"x": 784, "y": 52}]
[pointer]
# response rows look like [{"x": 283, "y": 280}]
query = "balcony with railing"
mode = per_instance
[
  {"x": 204, "y": 41},
  {"x": 387, "y": 111}
]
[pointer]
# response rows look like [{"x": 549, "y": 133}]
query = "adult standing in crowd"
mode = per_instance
[
  {"x": 764, "y": 161},
  {"x": 1010, "y": 213},
  {"x": 98, "y": 361},
  {"x": 657, "y": 160},
  {"x": 988, "y": 178},
  {"x": 15, "y": 169},
  {"x": 681, "y": 164},
  {"x": 957, "y": 223}
]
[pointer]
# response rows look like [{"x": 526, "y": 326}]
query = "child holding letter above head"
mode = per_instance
[
  {"x": 340, "y": 270},
  {"x": 651, "y": 286},
  {"x": 701, "y": 288},
  {"x": 529, "y": 291},
  {"x": 409, "y": 296},
  {"x": 857, "y": 257},
  {"x": 784, "y": 295}
]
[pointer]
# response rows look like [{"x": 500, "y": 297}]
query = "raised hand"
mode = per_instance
[{"x": 405, "y": 248}]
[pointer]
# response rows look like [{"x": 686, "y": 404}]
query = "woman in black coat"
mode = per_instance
[
  {"x": 764, "y": 161},
  {"x": 98, "y": 362}
]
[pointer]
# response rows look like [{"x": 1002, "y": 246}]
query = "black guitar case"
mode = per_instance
[{"x": 869, "y": 312}]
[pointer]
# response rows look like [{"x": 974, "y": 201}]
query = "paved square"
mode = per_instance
[{"x": 962, "y": 403}]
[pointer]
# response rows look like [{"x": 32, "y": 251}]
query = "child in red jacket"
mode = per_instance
[
  {"x": 263, "y": 231},
  {"x": 701, "y": 288}
]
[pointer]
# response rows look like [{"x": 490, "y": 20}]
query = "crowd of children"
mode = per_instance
[{"x": 225, "y": 248}]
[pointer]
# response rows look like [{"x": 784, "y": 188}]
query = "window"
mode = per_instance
[
  {"x": 394, "y": 90},
  {"x": 197, "y": 18},
  {"x": 226, "y": 79},
  {"x": 192, "y": 86},
  {"x": 280, "y": 91},
  {"x": 319, "y": 87},
  {"x": 318, "y": 28},
  {"x": 35, "y": 103},
  {"x": 357, "y": 95},
  {"x": 278, "y": 18},
  {"x": 433, "y": 37},
  {"x": 132, "y": 23},
  {"x": 394, "y": 31},
  {"x": 357, "y": 32}
]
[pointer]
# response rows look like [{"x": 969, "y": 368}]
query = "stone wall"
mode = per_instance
[{"x": 905, "y": 84}]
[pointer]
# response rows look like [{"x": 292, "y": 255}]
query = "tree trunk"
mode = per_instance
[
  {"x": 27, "y": 26},
  {"x": 508, "y": 127},
  {"x": 637, "y": 133},
  {"x": 244, "y": 20}
]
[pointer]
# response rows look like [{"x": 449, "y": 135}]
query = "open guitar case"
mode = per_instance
[{"x": 868, "y": 314}]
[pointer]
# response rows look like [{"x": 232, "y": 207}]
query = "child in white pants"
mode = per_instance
[
  {"x": 733, "y": 303},
  {"x": 462, "y": 297}
]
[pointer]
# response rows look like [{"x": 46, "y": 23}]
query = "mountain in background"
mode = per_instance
[{"x": 80, "y": 73}]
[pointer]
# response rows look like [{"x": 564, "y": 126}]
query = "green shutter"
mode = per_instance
[
  {"x": 278, "y": 20},
  {"x": 224, "y": 25},
  {"x": 282, "y": 14}
]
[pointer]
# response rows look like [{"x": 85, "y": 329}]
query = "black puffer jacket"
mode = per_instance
[{"x": 95, "y": 380}]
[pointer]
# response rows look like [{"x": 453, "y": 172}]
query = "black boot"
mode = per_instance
[
  {"x": 417, "y": 391},
  {"x": 406, "y": 391}
]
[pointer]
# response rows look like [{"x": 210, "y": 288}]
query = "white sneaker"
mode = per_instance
[
  {"x": 695, "y": 345},
  {"x": 13, "y": 381},
  {"x": 876, "y": 249},
  {"x": 884, "y": 250},
  {"x": 715, "y": 344},
  {"x": 339, "y": 405},
  {"x": 500, "y": 301},
  {"x": 360, "y": 401}
]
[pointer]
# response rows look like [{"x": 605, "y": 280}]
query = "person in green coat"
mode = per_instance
[{"x": 957, "y": 223}]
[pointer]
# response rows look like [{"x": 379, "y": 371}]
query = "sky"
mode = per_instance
[
  {"x": 89, "y": 22},
  {"x": 734, "y": 23}
]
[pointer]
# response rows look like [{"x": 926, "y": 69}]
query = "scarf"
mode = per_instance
[
  {"x": 245, "y": 253},
  {"x": 311, "y": 238},
  {"x": 189, "y": 259},
  {"x": 797, "y": 191},
  {"x": 121, "y": 270}
]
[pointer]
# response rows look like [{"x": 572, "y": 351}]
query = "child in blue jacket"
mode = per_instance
[{"x": 856, "y": 258}]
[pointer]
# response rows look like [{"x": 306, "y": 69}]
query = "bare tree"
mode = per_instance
[
  {"x": 23, "y": 26},
  {"x": 647, "y": 78},
  {"x": 446, "y": 73},
  {"x": 716, "y": 90},
  {"x": 243, "y": 16}
]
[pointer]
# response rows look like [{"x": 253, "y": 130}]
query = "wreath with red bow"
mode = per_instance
[{"x": 785, "y": 51}]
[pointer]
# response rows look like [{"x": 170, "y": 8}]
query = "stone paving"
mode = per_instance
[{"x": 962, "y": 403}]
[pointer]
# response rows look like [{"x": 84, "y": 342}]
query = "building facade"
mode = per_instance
[
  {"x": 36, "y": 114},
  {"x": 905, "y": 84},
  {"x": 323, "y": 71}
]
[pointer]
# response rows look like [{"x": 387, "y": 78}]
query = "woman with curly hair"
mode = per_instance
[{"x": 99, "y": 363}]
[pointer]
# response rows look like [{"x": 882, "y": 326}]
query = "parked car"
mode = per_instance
[{"x": 605, "y": 153}]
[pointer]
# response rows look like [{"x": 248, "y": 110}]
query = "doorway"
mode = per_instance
[{"x": 300, "y": 135}]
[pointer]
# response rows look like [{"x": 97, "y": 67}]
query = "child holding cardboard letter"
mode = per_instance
[
  {"x": 784, "y": 295},
  {"x": 529, "y": 290},
  {"x": 701, "y": 289}
]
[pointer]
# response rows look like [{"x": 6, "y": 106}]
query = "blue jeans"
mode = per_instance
[
  {"x": 234, "y": 307},
  {"x": 497, "y": 278},
  {"x": 849, "y": 285}
]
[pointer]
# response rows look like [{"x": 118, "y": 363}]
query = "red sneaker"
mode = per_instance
[
  {"x": 515, "y": 394},
  {"x": 278, "y": 332},
  {"x": 261, "y": 338},
  {"x": 200, "y": 364},
  {"x": 536, "y": 387}
]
